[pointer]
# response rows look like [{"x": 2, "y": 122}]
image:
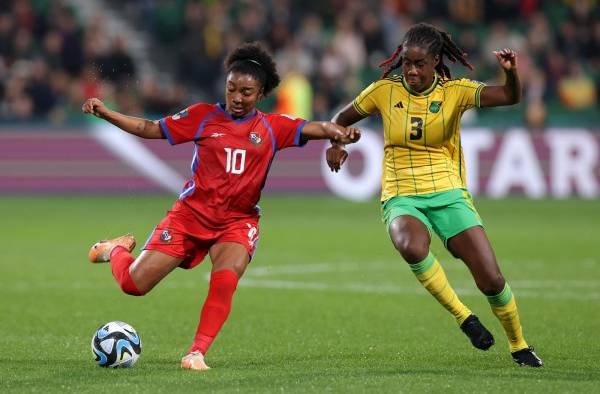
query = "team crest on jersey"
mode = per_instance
[
  {"x": 166, "y": 236},
  {"x": 180, "y": 114},
  {"x": 435, "y": 106},
  {"x": 255, "y": 138}
]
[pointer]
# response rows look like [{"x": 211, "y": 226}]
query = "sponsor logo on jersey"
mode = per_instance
[
  {"x": 180, "y": 114},
  {"x": 166, "y": 236},
  {"x": 399, "y": 105},
  {"x": 255, "y": 138},
  {"x": 217, "y": 135},
  {"x": 435, "y": 106}
]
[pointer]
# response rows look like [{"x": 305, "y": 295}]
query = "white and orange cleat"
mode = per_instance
[
  {"x": 100, "y": 252},
  {"x": 195, "y": 361}
]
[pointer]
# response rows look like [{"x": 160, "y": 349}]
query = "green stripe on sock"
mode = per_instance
[
  {"x": 502, "y": 298},
  {"x": 422, "y": 266}
]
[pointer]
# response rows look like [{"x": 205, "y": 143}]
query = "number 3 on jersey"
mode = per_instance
[
  {"x": 236, "y": 160},
  {"x": 417, "y": 128}
]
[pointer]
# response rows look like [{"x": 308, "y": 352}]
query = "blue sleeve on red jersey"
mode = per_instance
[
  {"x": 183, "y": 126},
  {"x": 165, "y": 130},
  {"x": 298, "y": 139},
  {"x": 287, "y": 130}
]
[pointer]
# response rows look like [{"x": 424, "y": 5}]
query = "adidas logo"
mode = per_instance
[{"x": 399, "y": 105}]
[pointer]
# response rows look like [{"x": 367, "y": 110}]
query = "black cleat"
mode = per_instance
[
  {"x": 480, "y": 337},
  {"x": 527, "y": 358}
]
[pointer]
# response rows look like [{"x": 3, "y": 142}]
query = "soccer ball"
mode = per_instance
[{"x": 116, "y": 344}]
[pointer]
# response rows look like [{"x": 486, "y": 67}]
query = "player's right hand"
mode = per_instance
[
  {"x": 95, "y": 107},
  {"x": 352, "y": 134},
  {"x": 336, "y": 155}
]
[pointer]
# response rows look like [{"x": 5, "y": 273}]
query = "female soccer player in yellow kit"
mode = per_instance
[{"x": 423, "y": 182}]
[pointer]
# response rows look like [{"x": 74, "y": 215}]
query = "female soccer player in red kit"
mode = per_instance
[{"x": 216, "y": 212}]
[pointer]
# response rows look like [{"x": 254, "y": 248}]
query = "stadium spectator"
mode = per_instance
[
  {"x": 577, "y": 89},
  {"x": 160, "y": 100},
  {"x": 40, "y": 90},
  {"x": 117, "y": 65}
]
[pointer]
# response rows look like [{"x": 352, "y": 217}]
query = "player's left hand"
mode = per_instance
[
  {"x": 336, "y": 155},
  {"x": 507, "y": 59}
]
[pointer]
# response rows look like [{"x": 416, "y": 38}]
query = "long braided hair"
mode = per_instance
[{"x": 437, "y": 42}]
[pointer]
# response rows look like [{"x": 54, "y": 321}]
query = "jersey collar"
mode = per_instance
[
  {"x": 221, "y": 108},
  {"x": 426, "y": 91}
]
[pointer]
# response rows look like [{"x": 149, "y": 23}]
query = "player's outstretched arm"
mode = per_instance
[
  {"x": 137, "y": 126},
  {"x": 330, "y": 131},
  {"x": 510, "y": 93}
]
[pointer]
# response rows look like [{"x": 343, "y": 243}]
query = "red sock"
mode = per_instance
[
  {"x": 216, "y": 309},
  {"x": 120, "y": 260}
]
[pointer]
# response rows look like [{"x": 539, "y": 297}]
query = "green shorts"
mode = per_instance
[{"x": 447, "y": 213}]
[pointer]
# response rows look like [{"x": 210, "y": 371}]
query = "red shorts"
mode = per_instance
[{"x": 172, "y": 236}]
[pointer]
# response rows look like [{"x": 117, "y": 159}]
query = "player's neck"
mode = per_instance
[
  {"x": 249, "y": 115},
  {"x": 423, "y": 92}
]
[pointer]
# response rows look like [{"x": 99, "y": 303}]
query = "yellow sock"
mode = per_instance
[
  {"x": 431, "y": 275},
  {"x": 505, "y": 308}
]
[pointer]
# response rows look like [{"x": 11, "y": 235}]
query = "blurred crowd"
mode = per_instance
[
  {"x": 51, "y": 60},
  {"x": 326, "y": 51}
]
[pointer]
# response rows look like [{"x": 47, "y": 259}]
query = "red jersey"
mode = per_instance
[{"x": 231, "y": 158}]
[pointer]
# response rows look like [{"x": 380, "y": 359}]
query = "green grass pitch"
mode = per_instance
[{"x": 327, "y": 304}]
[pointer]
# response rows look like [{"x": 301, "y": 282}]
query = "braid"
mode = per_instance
[
  {"x": 453, "y": 52},
  {"x": 437, "y": 42},
  {"x": 388, "y": 65}
]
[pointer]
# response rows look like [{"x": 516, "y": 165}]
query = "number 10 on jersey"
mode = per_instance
[{"x": 236, "y": 158}]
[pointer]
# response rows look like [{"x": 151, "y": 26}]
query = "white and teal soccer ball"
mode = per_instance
[{"x": 116, "y": 344}]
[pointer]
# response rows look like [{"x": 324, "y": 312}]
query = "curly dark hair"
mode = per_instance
[
  {"x": 252, "y": 59},
  {"x": 437, "y": 42}
]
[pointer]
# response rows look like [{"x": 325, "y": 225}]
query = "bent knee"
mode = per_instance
[
  {"x": 131, "y": 288},
  {"x": 411, "y": 251},
  {"x": 492, "y": 286},
  {"x": 134, "y": 292},
  {"x": 410, "y": 238}
]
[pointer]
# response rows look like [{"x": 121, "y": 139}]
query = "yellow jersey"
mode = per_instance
[{"x": 422, "y": 150}]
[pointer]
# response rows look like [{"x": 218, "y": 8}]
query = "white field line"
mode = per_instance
[
  {"x": 259, "y": 278},
  {"x": 316, "y": 268},
  {"x": 388, "y": 288},
  {"x": 571, "y": 290},
  {"x": 271, "y": 277},
  {"x": 307, "y": 269}
]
